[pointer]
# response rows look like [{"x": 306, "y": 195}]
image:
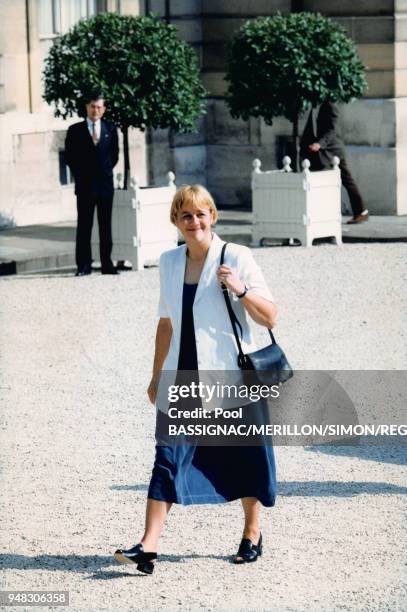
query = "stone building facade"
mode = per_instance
[
  {"x": 374, "y": 128},
  {"x": 35, "y": 186}
]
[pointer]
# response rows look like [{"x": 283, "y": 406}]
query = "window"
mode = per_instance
[
  {"x": 48, "y": 18},
  {"x": 58, "y": 16}
]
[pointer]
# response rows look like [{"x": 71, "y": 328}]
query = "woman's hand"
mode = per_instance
[
  {"x": 260, "y": 309},
  {"x": 162, "y": 344},
  {"x": 152, "y": 389},
  {"x": 229, "y": 277}
]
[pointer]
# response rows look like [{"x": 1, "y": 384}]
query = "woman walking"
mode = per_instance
[{"x": 194, "y": 333}]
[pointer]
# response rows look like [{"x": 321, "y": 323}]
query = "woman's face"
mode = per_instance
[{"x": 194, "y": 223}]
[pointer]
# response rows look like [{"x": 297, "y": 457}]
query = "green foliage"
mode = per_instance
[
  {"x": 280, "y": 65},
  {"x": 148, "y": 76}
]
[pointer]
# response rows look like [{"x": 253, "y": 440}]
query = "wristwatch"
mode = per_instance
[{"x": 241, "y": 295}]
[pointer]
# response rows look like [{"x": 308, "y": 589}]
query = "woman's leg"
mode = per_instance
[
  {"x": 251, "y": 509},
  {"x": 251, "y": 530},
  {"x": 156, "y": 513}
]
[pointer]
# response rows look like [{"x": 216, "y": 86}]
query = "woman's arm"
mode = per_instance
[
  {"x": 162, "y": 345},
  {"x": 261, "y": 310}
]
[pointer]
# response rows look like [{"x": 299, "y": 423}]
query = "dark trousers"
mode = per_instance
[
  {"x": 86, "y": 209},
  {"x": 348, "y": 182},
  {"x": 355, "y": 198}
]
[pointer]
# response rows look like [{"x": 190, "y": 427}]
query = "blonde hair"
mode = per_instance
[{"x": 196, "y": 195}]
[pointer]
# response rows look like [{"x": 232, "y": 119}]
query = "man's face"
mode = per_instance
[{"x": 95, "y": 109}]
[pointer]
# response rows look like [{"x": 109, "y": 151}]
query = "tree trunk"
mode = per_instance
[
  {"x": 125, "y": 130},
  {"x": 297, "y": 6},
  {"x": 296, "y": 143},
  {"x": 167, "y": 11}
]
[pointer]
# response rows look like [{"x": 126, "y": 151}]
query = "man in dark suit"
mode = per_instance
[
  {"x": 320, "y": 142},
  {"x": 91, "y": 152}
]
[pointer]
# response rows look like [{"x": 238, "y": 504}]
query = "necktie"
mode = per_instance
[{"x": 94, "y": 134}]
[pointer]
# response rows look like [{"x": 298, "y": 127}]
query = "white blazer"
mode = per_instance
[{"x": 215, "y": 342}]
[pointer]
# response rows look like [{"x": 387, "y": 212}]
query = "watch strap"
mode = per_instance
[{"x": 241, "y": 295}]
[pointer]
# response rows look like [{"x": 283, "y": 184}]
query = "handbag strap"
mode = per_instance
[{"x": 233, "y": 318}]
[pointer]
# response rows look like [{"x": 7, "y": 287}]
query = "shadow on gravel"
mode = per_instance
[
  {"x": 337, "y": 488},
  {"x": 88, "y": 563},
  {"x": 136, "y": 487},
  {"x": 44, "y": 275},
  {"x": 65, "y": 563},
  {"x": 384, "y": 453},
  {"x": 36, "y": 275},
  {"x": 114, "y": 575},
  {"x": 313, "y": 488}
]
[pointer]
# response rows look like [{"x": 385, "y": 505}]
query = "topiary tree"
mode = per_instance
[
  {"x": 278, "y": 66},
  {"x": 148, "y": 76}
]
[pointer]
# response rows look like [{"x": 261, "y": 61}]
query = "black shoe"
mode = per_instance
[
  {"x": 248, "y": 552},
  {"x": 111, "y": 270},
  {"x": 85, "y": 271},
  {"x": 121, "y": 265},
  {"x": 136, "y": 555}
]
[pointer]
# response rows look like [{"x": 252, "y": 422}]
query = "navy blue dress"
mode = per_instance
[{"x": 188, "y": 474}]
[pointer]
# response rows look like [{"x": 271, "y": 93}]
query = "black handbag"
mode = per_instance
[{"x": 269, "y": 365}]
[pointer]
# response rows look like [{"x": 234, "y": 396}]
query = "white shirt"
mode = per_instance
[
  {"x": 215, "y": 341},
  {"x": 97, "y": 127}
]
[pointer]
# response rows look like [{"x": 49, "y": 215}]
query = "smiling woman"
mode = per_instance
[
  {"x": 193, "y": 211},
  {"x": 194, "y": 335}
]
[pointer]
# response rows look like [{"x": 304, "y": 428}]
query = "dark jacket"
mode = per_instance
[
  {"x": 92, "y": 166},
  {"x": 328, "y": 136}
]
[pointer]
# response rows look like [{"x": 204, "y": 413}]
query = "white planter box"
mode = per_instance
[
  {"x": 303, "y": 205},
  {"x": 141, "y": 227}
]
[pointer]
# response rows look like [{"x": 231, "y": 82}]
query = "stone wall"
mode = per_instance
[
  {"x": 223, "y": 150},
  {"x": 14, "y": 82},
  {"x": 220, "y": 153},
  {"x": 31, "y": 138}
]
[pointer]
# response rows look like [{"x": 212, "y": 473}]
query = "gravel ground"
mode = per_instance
[{"x": 77, "y": 447}]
